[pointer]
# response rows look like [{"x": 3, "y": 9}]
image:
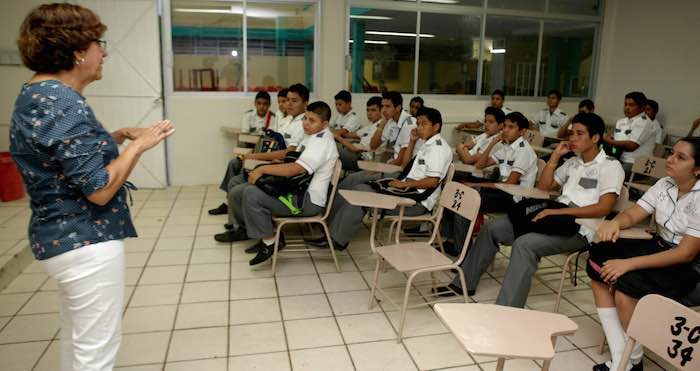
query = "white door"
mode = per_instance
[{"x": 130, "y": 92}]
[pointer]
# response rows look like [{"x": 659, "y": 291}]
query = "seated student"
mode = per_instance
[
  {"x": 634, "y": 135},
  {"x": 293, "y": 133},
  {"x": 550, "y": 119},
  {"x": 351, "y": 152},
  {"x": 584, "y": 106},
  {"x": 624, "y": 270},
  {"x": 694, "y": 126},
  {"x": 590, "y": 184},
  {"x": 429, "y": 167},
  {"x": 498, "y": 97},
  {"x": 254, "y": 122},
  {"x": 470, "y": 152},
  {"x": 393, "y": 130},
  {"x": 346, "y": 121},
  {"x": 651, "y": 109},
  {"x": 415, "y": 104},
  {"x": 281, "y": 113},
  {"x": 318, "y": 157}
]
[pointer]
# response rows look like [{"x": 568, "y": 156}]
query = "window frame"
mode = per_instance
[
  {"x": 167, "y": 55},
  {"x": 483, "y": 12}
]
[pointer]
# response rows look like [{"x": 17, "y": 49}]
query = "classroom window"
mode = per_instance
[
  {"x": 567, "y": 58},
  {"x": 208, "y": 47}
]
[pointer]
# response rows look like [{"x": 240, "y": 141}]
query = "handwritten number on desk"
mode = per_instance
[
  {"x": 693, "y": 337},
  {"x": 457, "y": 199}
]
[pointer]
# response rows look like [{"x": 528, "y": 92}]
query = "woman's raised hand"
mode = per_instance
[{"x": 150, "y": 137}]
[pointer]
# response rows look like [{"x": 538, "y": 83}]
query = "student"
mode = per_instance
[
  {"x": 470, "y": 152},
  {"x": 549, "y": 120},
  {"x": 318, "y": 157},
  {"x": 415, "y": 104},
  {"x": 590, "y": 184},
  {"x": 346, "y": 120},
  {"x": 351, "y": 152},
  {"x": 498, "y": 97},
  {"x": 634, "y": 135},
  {"x": 584, "y": 106},
  {"x": 293, "y": 133},
  {"x": 623, "y": 270},
  {"x": 651, "y": 109},
  {"x": 281, "y": 113},
  {"x": 428, "y": 169}
]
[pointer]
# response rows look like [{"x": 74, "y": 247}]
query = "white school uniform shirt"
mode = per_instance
[
  {"x": 254, "y": 124},
  {"x": 348, "y": 121},
  {"x": 638, "y": 129},
  {"x": 398, "y": 133},
  {"x": 281, "y": 121},
  {"x": 482, "y": 141},
  {"x": 658, "y": 131},
  {"x": 365, "y": 135},
  {"x": 318, "y": 156},
  {"x": 433, "y": 159},
  {"x": 583, "y": 184},
  {"x": 293, "y": 131},
  {"x": 549, "y": 123},
  {"x": 506, "y": 110},
  {"x": 519, "y": 157}
]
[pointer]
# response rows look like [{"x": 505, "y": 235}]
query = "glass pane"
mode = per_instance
[
  {"x": 449, "y": 57},
  {"x": 567, "y": 57},
  {"x": 207, "y": 45},
  {"x": 585, "y": 7},
  {"x": 280, "y": 45},
  {"x": 382, "y": 48},
  {"x": 510, "y": 55},
  {"x": 517, "y": 4}
]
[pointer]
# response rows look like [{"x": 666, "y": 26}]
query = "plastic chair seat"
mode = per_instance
[
  {"x": 408, "y": 257},
  {"x": 299, "y": 219}
]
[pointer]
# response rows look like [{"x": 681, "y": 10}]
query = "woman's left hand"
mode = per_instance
[
  {"x": 544, "y": 213},
  {"x": 614, "y": 269}
]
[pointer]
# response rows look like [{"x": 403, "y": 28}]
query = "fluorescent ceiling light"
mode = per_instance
[
  {"x": 235, "y": 9},
  {"x": 234, "y": 53},
  {"x": 215, "y": 11},
  {"x": 406, "y": 34},
  {"x": 498, "y": 51},
  {"x": 378, "y": 42},
  {"x": 373, "y": 17}
]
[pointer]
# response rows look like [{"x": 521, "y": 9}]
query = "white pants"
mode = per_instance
[{"x": 91, "y": 282}]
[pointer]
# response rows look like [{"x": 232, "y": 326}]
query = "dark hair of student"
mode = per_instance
[
  {"x": 375, "y": 101},
  {"x": 419, "y": 100},
  {"x": 654, "y": 105},
  {"x": 263, "y": 95},
  {"x": 343, "y": 95},
  {"x": 555, "y": 92},
  {"x": 695, "y": 143},
  {"x": 300, "y": 89},
  {"x": 282, "y": 93},
  {"x": 499, "y": 92},
  {"x": 592, "y": 122},
  {"x": 394, "y": 96},
  {"x": 496, "y": 113},
  {"x": 432, "y": 115},
  {"x": 586, "y": 103},
  {"x": 519, "y": 119},
  {"x": 320, "y": 108},
  {"x": 638, "y": 97}
]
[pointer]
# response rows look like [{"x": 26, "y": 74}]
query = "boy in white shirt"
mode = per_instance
[
  {"x": 415, "y": 104},
  {"x": 651, "y": 109},
  {"x": 584, "y": 106},
  {"x": 351, "y": 152},
  {"x": 470, "y": 152},
  {"x": 498, "y": 97},
  {"x": 590, "y": 183},
  {"x": 318, "y": 157},
  {"x": 550, "y": 119},
  {"x": 346, "y": 121},
  {"x": 281, "y": 113}
]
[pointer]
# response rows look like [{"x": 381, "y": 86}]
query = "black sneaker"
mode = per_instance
[
  {"x": 220, "y": 210},
  {"x": 317, "y": 242},
  {"x": 445, "y": 291},
  {"x": 228, "y": 226},
  {"x": 603, "y": 367},
  {"x": 255, "y": 248},
  {"x": 265, "y": 252},
  {"x": 232, "y": 236}
]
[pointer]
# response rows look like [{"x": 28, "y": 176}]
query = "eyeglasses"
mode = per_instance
[{"x": 101, "y": 43}]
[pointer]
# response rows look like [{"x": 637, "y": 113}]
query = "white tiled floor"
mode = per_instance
[{"x": 194, "y": 304}]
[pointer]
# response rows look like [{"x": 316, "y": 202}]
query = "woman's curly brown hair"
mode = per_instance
[{"x": 52, "y": 33}]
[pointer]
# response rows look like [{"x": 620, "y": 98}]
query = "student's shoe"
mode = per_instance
[
  {"x": 603, "y": 367},
  {"x": 255, "y": 248},
  {"x": 232, "y": 236},
  {"x": 265, "y": 252},
  {"x": 322, "y": 242},
  {"x": 445, "y": 291},
  {"x": 220, "y": 210},
  {"x": 228, "y": 226}
]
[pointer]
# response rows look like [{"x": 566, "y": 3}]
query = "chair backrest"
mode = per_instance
[
  {"x": 448, "y": 178},
  {"x": 463, "y": 201},
  {"x": 667, "y": 328},
  {"x": 540, "y": 168},
  {"x": 535, "y": 138},
  {"x": 334, "y": 187},
  {"x": 654, "y": 167}
]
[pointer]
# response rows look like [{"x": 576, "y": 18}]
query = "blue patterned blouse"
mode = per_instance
[{"x": 62, "y": 152}]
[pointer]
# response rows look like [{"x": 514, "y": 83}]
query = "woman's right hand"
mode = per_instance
[
  {"x": 150, "y": 137},
  {"x": 609, "y": 231}
]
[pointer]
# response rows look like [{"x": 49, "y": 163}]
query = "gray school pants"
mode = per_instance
[
  {"x": 362, "y": 177},
  {"x": 526, "y": 252},
  {"x": 234, "y": 195},
  {"x": 233, "y": 169},
  {"x": 348, "y": 159}
]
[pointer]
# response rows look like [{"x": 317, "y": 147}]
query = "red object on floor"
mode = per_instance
[{"x": 11, "y": 186}]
